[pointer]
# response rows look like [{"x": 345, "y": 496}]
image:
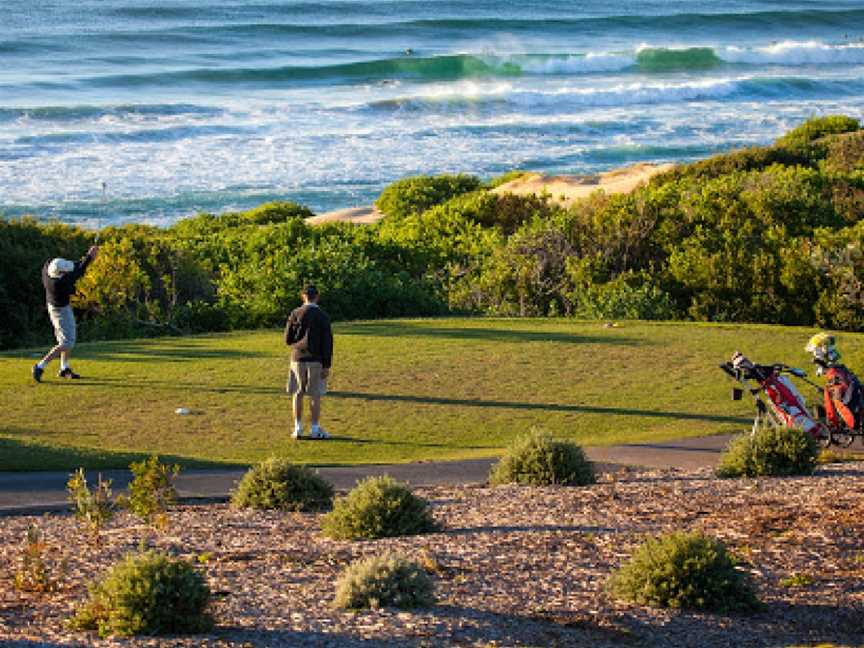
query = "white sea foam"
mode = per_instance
[{"x": 794, "y": 53}]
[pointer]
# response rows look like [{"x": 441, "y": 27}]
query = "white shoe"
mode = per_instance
[
  {"x": 298, "y": 432},
  {"x": 318, "y": 432}
]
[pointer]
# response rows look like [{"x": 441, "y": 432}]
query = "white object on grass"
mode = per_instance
[{"x": 182, "y": 411}]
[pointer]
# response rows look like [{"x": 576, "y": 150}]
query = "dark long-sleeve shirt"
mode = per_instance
[
  {"x": 58, "y": 291},
  {"x": 309, "y": 335}
]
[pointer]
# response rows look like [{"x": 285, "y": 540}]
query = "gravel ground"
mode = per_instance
[{"x": 513, "y": 566}]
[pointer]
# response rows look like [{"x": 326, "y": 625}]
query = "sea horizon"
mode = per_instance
[{"x": 114, "y": 112}]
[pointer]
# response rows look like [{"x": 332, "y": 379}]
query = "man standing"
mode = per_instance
[
  {"x": 58, "y": 278},
  {"x": 310, "y": 337}
]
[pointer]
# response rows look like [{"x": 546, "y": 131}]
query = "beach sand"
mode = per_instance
[{"x": 562, "y": 189}]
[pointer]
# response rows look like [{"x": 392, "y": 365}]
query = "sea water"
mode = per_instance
[{"x": 114, "y": 111}]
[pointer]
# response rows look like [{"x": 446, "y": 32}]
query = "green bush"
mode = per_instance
[
  {"x": 378, "y": 507},
  {"x": 279, "y": 484},
  {"x": 684, "y": 570},
  {"x": 147, "y": 594},
  {"x": 771, "y": 451},
  {"x": 152, "y": 490},
  {"x": 384, "y": 581},
  {"x": 417, "y": 194},
  {"x": 815, "y": 128},
  {"x": 538, "y": 460}
]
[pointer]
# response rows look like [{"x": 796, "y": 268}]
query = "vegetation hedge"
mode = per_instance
[
  {"x": 537, "y": 459},
  {"x": 770, "y": 451},
  {"x": 378, "y": 507},
  {"x": 765, "y": 234},
  {"x": 389, "y": 580},
  {"x": 684, "y": 570},
  {"x": 147, "y": 594},
  {"x": 278, "y": 484}
]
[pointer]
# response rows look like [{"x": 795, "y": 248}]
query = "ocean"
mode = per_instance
[{"x": 116, "y": 111}]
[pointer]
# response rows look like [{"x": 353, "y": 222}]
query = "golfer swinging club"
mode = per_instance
[{"x": 59, "y": 277}]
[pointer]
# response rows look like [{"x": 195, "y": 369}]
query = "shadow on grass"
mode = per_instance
[
  {"x": 432, "y": 330},
  {"x": 542, "y": 407},
  {"x": 273, "y": 389},
  {"x": 20, "y": 455},
  {"x": 173, "y": 351}
]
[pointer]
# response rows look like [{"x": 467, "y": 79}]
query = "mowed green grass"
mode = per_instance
[{"x": 401, "y": 391}]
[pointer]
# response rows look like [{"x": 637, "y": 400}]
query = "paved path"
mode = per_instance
[{"x": 36, "y": 492}]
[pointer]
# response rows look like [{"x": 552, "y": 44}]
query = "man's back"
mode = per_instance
[{"x": 309, "y": 335}]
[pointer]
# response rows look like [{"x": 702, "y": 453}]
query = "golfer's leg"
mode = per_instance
[
  {"x": 298, "y": 407},
  {"x": 65, "y": 354},
  {"x": 53, "y": 353},
  {"x": 315, "y": 406}
]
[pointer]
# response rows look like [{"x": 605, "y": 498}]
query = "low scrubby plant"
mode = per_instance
[
  {"x": 152, "y": 490},
  {"x": 279, "y": 484},
  {"x": 378, "y": 507},
  {"x": 33, "y": 573},
  {"x": 770, "y": 452},
  {"x": 150, "y": 594},
  {"x": 537, "y": 459},
  {"x": 684, "y": 570},
  {"x": 94, "y": 508},
  {"x": 384, "y": 581}
]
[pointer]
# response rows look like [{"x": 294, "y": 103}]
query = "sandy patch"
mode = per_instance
[
  {"x": 562, "y": 189},
  {"x": 566, "y": 190}
]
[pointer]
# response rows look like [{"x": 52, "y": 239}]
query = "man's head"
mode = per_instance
[
  {"x": 309, "y": 294},
  {"x": 58, "y": 267}
]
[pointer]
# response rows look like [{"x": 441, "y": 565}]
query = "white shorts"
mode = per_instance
[{"x": 63, "y": 320}]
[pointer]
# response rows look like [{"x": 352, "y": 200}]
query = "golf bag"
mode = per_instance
[{"x": 778, "y": 401}]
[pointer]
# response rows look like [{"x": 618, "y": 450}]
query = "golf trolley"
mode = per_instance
[{"x": 779, "y": 403}]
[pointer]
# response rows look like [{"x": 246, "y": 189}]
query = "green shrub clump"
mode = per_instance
[
  {"x": 537, "y": 459},
  {"x": 417, "y": 194},
  {"x": 152, "y": 490},
  {"x": 378, "y": 507},
  {"x": 149, "y": 594},
  {"x": 770, "y": 451},
  {"x": 684, "y": 570},
  {"x": 279, "y": 484},
  {"x": 384, "y": 581}
]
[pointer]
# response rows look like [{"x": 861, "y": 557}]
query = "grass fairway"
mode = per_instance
[{"x": 402, "y": 390}]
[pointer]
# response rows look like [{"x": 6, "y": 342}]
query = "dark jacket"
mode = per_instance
[
  {"x": 309, "y": 335},
  {"x": 58, "y": 291}
]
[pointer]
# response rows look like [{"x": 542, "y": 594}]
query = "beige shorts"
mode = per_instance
[
  {"x": 305, "y": 378},
  {"x": 63, "y": 321}
]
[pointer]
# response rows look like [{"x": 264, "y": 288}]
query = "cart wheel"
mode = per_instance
[
  {"x": 843, "y": 439},
  {"x": 824, "y": 436}
]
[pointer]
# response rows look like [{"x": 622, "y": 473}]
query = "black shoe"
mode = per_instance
[
  {"x": 68, "y": 373},
  {"x": 37, "y": 373}
]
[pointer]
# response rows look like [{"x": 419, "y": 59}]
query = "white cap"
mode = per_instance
[{"x": 58, "y": 267}]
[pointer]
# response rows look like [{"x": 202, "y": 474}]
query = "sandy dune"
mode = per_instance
[{"x": 563, "y": 189}]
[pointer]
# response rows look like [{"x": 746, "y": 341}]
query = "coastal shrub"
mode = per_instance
[
  {"x": 147, "y": 594},
  {"x": 537, "y": 459},
  {"x": 279, "y": 484},
  {"x": 416, "y": 194},
  {"x": 803, "y": 136},
  {"x": 684, "y": 570},
  {"x": 152, "y": 490},
  {"x": 628, "y": 296},
  {"x": 389, "y": 580},
  {"x": 770, "y": 451},
  {"x": 378, "y": 507},
  {"x": 845, "y": 153}
]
